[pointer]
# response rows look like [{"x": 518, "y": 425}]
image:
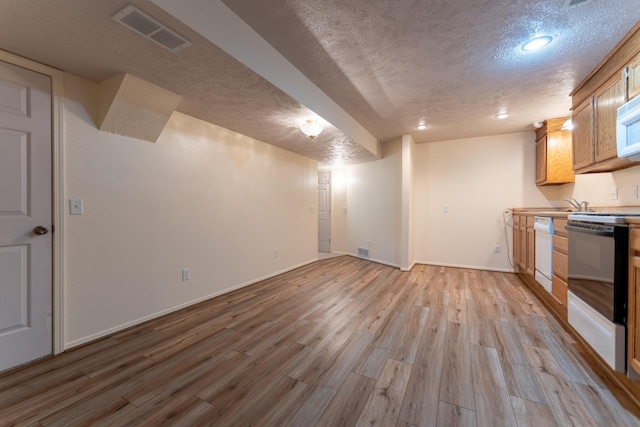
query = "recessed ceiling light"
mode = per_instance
[
  {"x": 537, "y": 43},
  {"x": 502, "y": 116}
]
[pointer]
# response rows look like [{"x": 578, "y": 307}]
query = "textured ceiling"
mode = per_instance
[{"x": 387, "y": 64}]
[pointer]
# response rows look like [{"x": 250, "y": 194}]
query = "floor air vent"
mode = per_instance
[
  {"x": 363, "y": 252},
  {"x": 146, "y": 26}
]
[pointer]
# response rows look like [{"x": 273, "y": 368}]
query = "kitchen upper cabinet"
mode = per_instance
[
  {"x": 594, "y": 129},
  {"x": 633, "y": 76},
  {"x": 606, "y": 102},
  {"x": 582, "y": 135},
  {"x": 553, "y": 154},
  {"x": 633, "y": 325},
  {"x": 594, "y": 107}
]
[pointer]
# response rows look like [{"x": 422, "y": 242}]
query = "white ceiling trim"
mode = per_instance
[{"x": 218, "y": 24}]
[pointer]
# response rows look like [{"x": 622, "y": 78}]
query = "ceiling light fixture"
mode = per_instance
[
  {"x": 502, "y": 116},
  {"x": 311, "y": 128},
  {"x": 537, "y": 43},
  {"x": 421, "y": 126}
]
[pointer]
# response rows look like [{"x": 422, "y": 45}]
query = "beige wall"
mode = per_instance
[
  {"x": 374, "y": 194},
  {"x": 476, "y": 179},
  {"x": 202, "y": 197}
]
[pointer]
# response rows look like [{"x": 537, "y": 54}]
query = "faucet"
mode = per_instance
[
  {"x": 579, "y": 206},
  {"x": 574, "y": 203}
]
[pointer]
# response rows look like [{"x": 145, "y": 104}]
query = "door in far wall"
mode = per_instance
[
  {"x": 25, "y": 216},
  {"x": 324, "y": 211}
]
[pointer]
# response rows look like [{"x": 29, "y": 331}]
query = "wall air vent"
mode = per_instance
[
  {"x": 363, "y": 252},
  {"x": 571, "y": 4},
  {"x": 146, "y": 26}
]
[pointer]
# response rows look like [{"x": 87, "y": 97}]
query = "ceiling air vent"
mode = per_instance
[
  {"x": 146, "y": 26},
  {"x": 571, "y": 4}
]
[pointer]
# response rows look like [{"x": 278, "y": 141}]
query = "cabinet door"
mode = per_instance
[
  {"x": 606, "y": 103},
  {"x": 633, "y": 71},
  {"x": 541, "y": 160},
  {"x": 531, "y": 251},
  {"x": 582, "y": 135},
  {"x": 517, "y": 243},
  {"x": 633, "y": 326},
  {"x": 523, "y": 248}
]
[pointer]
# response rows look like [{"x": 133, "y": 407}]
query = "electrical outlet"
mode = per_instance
[
  {"x": 496, "y": 249},
  {"x": 186, "y": 274},
  {"x": 445, "y": 209},
  {"x": 613, "y": 193}
]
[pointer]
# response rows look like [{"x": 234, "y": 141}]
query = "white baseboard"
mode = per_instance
[{"x": 471, "y": 267}]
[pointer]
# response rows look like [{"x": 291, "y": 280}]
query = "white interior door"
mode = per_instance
[
  {"x": 324, "y": 211},
  {"x": 25, "y": 216}
]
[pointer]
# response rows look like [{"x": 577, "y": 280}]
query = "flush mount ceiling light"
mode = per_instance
[
  {"x": 311, "y": 128},
  {"x": 537, "y": 43},
  {"x": 502, "y": 116},
  {"x": 421, "y": 126}
]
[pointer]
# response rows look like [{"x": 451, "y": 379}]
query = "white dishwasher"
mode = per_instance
[{"x": 543, "y": 227}]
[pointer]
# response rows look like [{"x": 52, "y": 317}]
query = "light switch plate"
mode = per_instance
[{"x": 76, "y": 207}]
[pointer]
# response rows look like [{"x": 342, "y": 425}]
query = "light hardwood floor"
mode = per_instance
[{"x": 341, "y": 342}]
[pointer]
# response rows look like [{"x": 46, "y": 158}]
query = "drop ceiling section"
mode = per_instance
[
  {"x": 385, "y": 64},
  {"x": 81, "y": 38},
  {"x": 390, "y": 64}
]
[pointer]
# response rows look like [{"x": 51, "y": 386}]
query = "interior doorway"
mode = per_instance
[
  {"x": 324, "y": 211},
  {"x": 26, "y": 220}
]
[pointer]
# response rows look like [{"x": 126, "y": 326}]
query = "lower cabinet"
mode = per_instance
[
  {"x": 524, "y": 243},
  {"x": 560, "y": 261},
  {"x": 633, "y": 321}
]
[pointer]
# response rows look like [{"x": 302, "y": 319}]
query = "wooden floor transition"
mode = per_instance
[{"x": 340, "y": 342}]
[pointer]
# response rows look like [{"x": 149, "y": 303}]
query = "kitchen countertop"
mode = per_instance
[{"x": 622, "y": 211}]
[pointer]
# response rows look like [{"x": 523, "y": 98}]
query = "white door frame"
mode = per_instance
[{"x": 57, "y": 106}]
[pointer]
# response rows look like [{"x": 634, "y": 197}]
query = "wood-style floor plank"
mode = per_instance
[{"x": 340, "y": 342}]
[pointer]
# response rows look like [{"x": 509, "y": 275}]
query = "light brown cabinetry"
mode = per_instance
[
  {"x": 517, "y": 241},
  {"x": 553, "y": 153},
  {"x": 605, "y": 103},
  {"x": 633, "y": 76},
  {"x": 560, "y": 260},
  {"x": 582, "y": 135},
  {"x": 524, "y": 243},
  {"x": 633, "y": 325},
  {"x": 594, "y": 129},
  {"x": 531, "y": 250},
  {"x": 595, "y": 102}
]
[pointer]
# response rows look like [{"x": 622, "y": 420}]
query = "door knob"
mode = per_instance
[{"x": 40, "y": 230}]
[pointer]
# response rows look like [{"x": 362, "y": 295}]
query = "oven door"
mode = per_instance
[{"x": 597, "y": 268}]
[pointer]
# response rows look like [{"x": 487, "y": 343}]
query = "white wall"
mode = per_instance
[
  {"x": 202, "y": 197},
  {"x": 374, "y": 193},
  {"x": 476, "y": 179}
]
